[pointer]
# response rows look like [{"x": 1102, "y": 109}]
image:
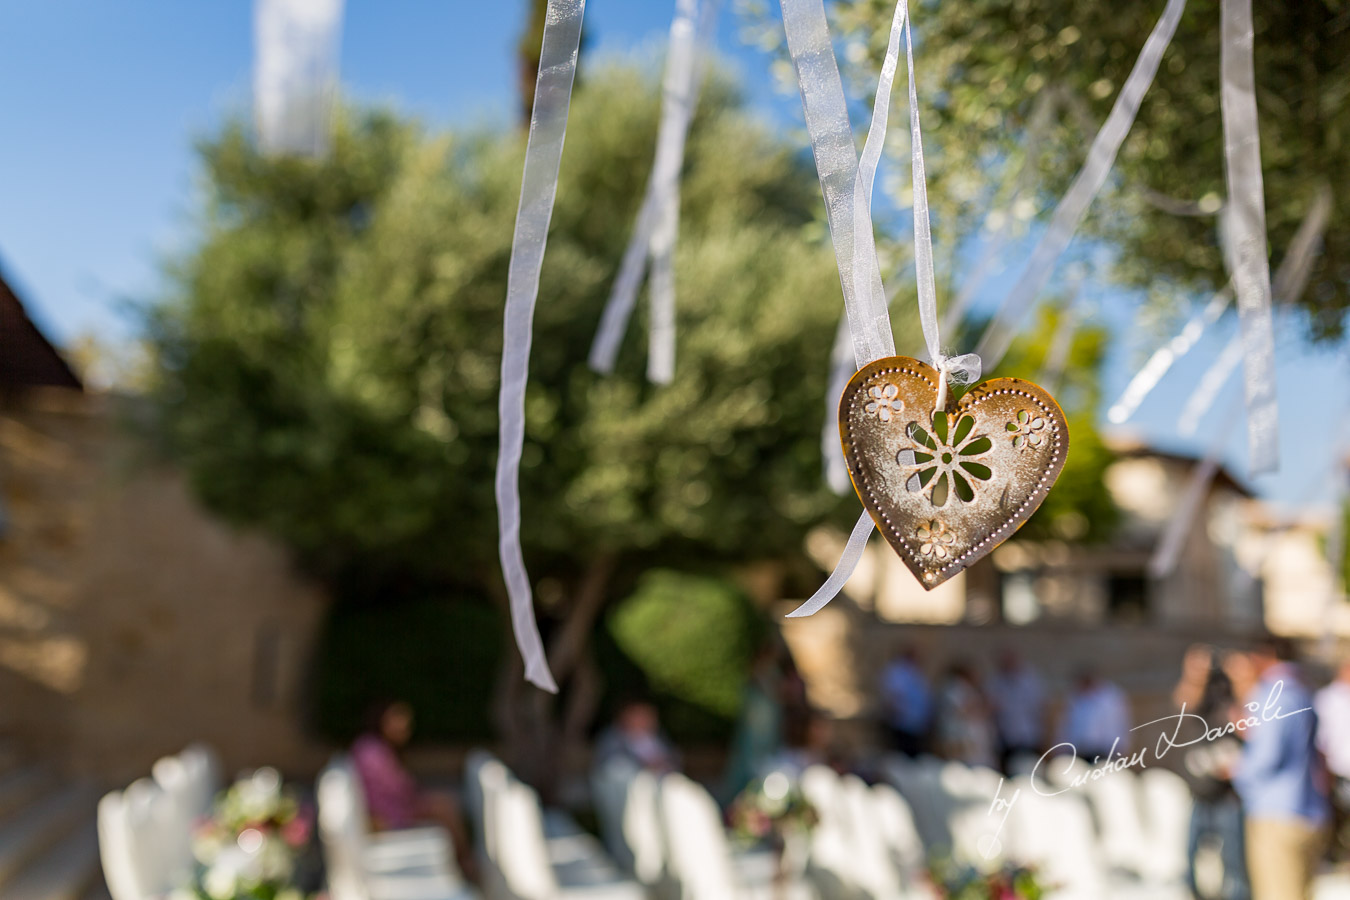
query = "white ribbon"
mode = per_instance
[
  {"x": 843, "y": 570},
  {"x": 295, "y": 70},
  {"x": 1147, "y": 378},
  {"x": 539, "y": 184},
  {"x": 1182, "y": 523},
  {"x": 992, "y": 250},
  {"x": 657, "y": 225},
  {"x": 1291, "y": 278},
  {"x": 836, "y": 156},
  {"x": 1086, "y": 185},
  {"x": 842, "y": 367},
  {"x": 832, "y": 142},
  {"x": 1247, "y": 219}
]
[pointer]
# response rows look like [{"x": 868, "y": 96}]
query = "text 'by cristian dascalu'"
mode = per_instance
[{"x": 1258, "y": 714}]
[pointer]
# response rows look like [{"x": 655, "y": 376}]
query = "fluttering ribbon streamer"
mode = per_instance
[
  {"x": 992, "y": 250},
  {"x": 1247, "y": 221},
  {"x": 1073, "y": 206},
  {"x": 1291, "y": 279},
  {"x": 1181, "y": 525},
  {"x": 295, "y": 74},
  {"x": 842, "y": 368},
  {"x": 1162, "y": 359},
  {"x": 539, "y": 185},
  {"x": 657, "y": 226},
  {"x": 847, "y": 186}
]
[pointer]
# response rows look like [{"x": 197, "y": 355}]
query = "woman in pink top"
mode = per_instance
[{"x": 393, "y": 797}]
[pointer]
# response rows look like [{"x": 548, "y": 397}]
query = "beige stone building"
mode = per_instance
[
  {"x": 1237, "y": 571},
  {"x": 131, "y": 622}
]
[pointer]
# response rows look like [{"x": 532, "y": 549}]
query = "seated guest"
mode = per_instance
[
  {"x": 393, "y": 798},
  {"x": 1096, "y": 719},
  {"x": 636, "y": 737}
]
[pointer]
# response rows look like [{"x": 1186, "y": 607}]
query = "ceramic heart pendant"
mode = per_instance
[{"x": 947, "y": 487}]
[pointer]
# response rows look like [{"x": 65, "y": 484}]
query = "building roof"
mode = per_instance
[
  {"x": 1125, "y": 447},
  {"x": 27, "y": 358}
]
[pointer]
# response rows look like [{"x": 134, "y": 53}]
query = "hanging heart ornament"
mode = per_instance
[{"x": 948, "y": 486}]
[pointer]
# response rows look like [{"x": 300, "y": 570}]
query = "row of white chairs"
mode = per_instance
[
  {"x": 1117, "y": 836},
  {"x": 527, "y": 853},
  {"x": 404, "y": 864},
  {"x": 668, "y": 831},
  {"x": 145, "y": 831}
]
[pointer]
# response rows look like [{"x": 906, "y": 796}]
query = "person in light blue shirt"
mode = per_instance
[
  {"x": 907, "y": 702},
  {"x": 1280, "y": 777}
]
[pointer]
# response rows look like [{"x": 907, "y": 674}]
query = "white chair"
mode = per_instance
[
  {"x": 1167, "y": 815},
  {"x": 642, "y": 830},
  {"x": 874, "y": 868},
  {"x": 409, "y": 864},
  {"x": 610, "y": 782},
  {"x": 700, "y": 859},
  {"x": 895, "y": 823},
  {"x": 1054, "y": 834},
  {"x": 1116, "y": 808},
  {"x": 920, "y": 783},
  {"x": 140, "y": 842},
  {"x": 535, "y": 867},
  {"x": 189, "y": 782},
  {"x": 832, "y": 865}
]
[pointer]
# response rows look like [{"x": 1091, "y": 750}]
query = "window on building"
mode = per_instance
[{"x": 1127, "y": 598}]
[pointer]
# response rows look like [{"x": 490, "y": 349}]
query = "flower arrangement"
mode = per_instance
[
  {"x": 247, "y": 848},
  {"x": 772, "y": 808},
  {"x": 953, "y": 881}
]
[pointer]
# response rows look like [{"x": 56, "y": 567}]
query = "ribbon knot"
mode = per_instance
[{"x": 963, "y": 369}]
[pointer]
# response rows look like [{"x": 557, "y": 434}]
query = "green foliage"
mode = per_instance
[
  {"x": 986, "y": 66},
  {"x": 368, "y": 654},
  {"x": 1080, "y": 506},
  {"x": 692, "y": 638},
  {"x": 329, "y": 357}
]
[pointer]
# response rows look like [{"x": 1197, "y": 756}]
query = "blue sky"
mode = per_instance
[{"x": 102, "y": 103}]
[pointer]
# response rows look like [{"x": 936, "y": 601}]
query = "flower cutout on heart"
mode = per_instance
[
  {"x": 885, "y": 401},
  {"x": 935, "y": 540},
  {"x": 1028, "y": 431},
  {"x": 943, "y": 458}
]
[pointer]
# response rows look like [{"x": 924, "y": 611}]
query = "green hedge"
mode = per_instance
[{"x": 441, "y": 656}]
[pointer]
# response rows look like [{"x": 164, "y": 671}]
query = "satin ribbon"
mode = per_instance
[
  {"x": 832, "y": 143},
  {"x": 657, "y": 227},
  {"x": 1291, "y": 279},
  {"x": 539, "y": 184},
  {"x": 1072, "y": 207},
  {"x": 1162, "y": 359},
  {"x": 295, "y": 72},
  {"x": 992, "y": 248},
  {"x": 1183, "y": 521},
  {"x": 836, "y": 156},
  {"x": 1247, "y": 219}
]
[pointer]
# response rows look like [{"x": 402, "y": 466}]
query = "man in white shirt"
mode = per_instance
[
  {"x": 1332, "y": 704},
  {"x": 1018, "y": 697},
  {"x": 1096, "y": 719}
]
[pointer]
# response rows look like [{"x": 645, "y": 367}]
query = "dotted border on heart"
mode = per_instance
[{"x": 1008, "y": 526}]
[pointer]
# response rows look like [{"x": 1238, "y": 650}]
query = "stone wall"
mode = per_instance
[{"x": 131, "y": 621}]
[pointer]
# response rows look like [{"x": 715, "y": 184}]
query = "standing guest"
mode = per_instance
[
  {"x": 1096, "y": 718},
  {"x": 1333, "y": 739},
  {"x": 1018, "y": 697},
  {"x": 636, "y": 738},
  {"x": 1216, "y": 813},
  {"x": 759, "y": 727},
  {"x": 1280, "y": 776},
  {"x": 393, "y": 798},
  {"x": 965, "y": 727},
  {"x": 908, "y": 704}
]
